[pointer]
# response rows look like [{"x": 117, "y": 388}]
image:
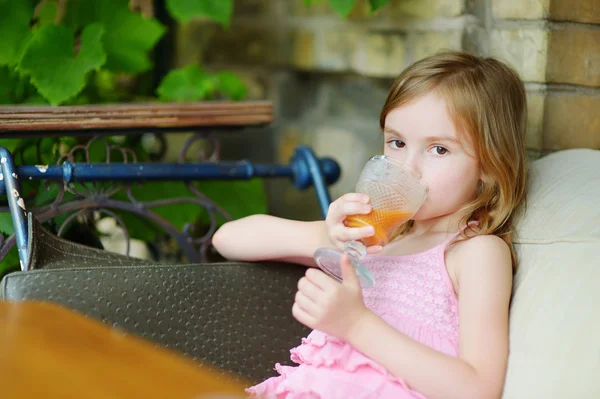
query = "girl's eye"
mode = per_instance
[
  {"x": 439, "y": 150},
  {"x": 397, "y": 144}
]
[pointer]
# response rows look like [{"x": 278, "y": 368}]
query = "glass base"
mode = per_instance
[{"x": 328, "y": 260}]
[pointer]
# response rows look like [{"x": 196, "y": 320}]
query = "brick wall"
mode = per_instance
[
  {"x": 329, "y": 77},
  {"x": 555, "y": 45}
]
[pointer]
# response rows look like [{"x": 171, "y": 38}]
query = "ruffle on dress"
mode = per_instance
[{"x": 330, "y": 368}]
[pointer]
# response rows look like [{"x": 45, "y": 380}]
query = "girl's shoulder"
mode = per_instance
[
  {"x": 484, "y": 256},
  {"x": 469, "y": 241},
  {"x": 476, "y": 244}
]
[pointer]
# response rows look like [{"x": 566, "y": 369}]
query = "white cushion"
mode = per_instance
[{"x": 555, "y": 311}]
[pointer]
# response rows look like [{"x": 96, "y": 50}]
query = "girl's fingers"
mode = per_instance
[
  {"x": 338, "y": 211},
  {"x": 355, "y": 208},
  {"x": 354, "y": 233},
  {"x": 309, "y": 289},
  {"x": 374, "y": 249},
  {"x": 322, "y": 282},
  {"x": 307, "y": 304},
  {"x": 302, "y": 316},
  {"x": 355, "y": 197},
  {"x": 348, "y": 204}
]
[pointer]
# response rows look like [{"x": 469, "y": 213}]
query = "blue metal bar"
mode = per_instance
[
  {"x": 97, "y": 172},
  {"x": 305, "y": 169},
  {"x": 309, "y": 170},
  {"x": 10, "y": 182}
]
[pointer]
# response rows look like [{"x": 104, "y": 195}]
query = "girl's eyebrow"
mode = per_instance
[
  {"x": 429, "y": 139},
  {"x": 389, "y": 130},
  {"x": 441, "y": 138}
]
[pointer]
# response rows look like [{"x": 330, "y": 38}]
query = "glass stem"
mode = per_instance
[{"x": 355, "y": 249}]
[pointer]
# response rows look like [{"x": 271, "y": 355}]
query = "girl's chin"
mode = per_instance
[
  {"x": 427, "y": 213},
  {"x": 420, "y": 215}
]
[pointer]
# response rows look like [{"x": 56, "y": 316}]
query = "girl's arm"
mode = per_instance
[
  {"x": 264, "y": 237},
  {"x": 485, "y": 282}
]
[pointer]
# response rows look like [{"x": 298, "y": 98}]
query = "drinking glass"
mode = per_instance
[{"x": 396, "y": 192}]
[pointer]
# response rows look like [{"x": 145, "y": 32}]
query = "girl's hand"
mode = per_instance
[
  {"x": 348, "y": 205},
  {"x": 324, "y": 304}
]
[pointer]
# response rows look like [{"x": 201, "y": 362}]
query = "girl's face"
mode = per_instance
[{"x": 422, "y": 135}]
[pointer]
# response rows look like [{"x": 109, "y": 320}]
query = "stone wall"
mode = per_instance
[{"x": 328, "y": 77}]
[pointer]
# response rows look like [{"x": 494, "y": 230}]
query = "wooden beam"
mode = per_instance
[{"x": 160, "y": 116}]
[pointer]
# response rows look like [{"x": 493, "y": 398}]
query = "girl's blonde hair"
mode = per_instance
[{"x": 486, "y": 100}]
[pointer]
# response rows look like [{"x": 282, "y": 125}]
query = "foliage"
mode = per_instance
[
  {"x": 64, "y": 52},
  {"x": 62, "y": 74},
  {"x": 191, "y": 82},
  {"x": 72, "y": 56},
  {"x": 184, "y": 10},
  {"x": 343, "y": 7}
]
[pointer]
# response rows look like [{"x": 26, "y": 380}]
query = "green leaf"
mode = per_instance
[
  {"x": 377, "y": 4},
  {"x": 227, "y": 194},
  {"x": 6, "y": 225},
  {"x": 10, "y": 144},
  {"x": 189, "y": 83},
  {"x": 231, "y": 86},
  {"x": 105, "y": 83},
  {"x": 343, "y": 7},
  {"x": 138, "y": 226},
  {"x": 35, "y": 99},
  {"x": 178, "y": 214},
  {"x": 7, "y": 85},
  {"x": 128, "y": 35},
  {"x": 47, "y": 13},
  {"x": 185, "y": 10},
  {"x": 55, "y": 70},
  {"x": 46, "y": 196},
  {"x": 14, "y": 29},
  {"x": 239, "y": 198},
  {"x": 10, "y": 262},
  {"x": 14, "y": 87},
  {"x": 22, "y": 87},
  {"x": 26, "y": 153},
  {"x": 98, "y": 153}
]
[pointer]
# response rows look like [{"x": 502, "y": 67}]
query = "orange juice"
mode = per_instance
[{"x": 384, "y": 222}]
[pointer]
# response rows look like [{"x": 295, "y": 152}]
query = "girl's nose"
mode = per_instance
[{"x": 413, "y": 161}]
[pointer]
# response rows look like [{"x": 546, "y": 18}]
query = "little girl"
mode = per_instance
[{"x": 435, "y": 325}]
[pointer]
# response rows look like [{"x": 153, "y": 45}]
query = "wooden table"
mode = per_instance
[{"x": 47, "y": 351}]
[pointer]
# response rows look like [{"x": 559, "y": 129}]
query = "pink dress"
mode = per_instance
[{"x": 413, "y": 294}]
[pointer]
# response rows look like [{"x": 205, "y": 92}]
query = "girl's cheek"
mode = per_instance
[{"x": 434, "y": 177}]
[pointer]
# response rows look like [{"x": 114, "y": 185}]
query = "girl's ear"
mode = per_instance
[
  {"x": 484, "y": 180},
  {"x": 482, "y": 176}
]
